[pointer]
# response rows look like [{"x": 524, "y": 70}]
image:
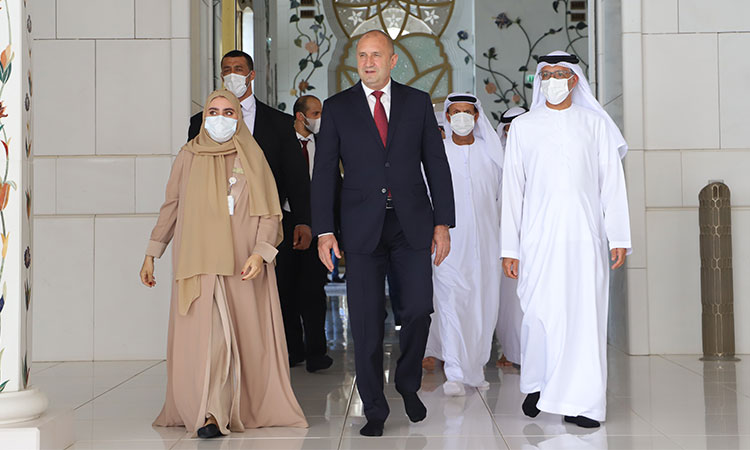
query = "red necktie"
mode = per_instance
[
  {"x": 304, "y": 151},
  {"x": 381, "y": 119}
]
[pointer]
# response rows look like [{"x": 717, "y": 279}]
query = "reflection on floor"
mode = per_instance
[{"x": 656, "y": 402}]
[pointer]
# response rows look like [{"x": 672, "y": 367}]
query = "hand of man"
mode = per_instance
[
  {"x": 147, "y": 272},
  {"x": 618, "y": 255},
  {"x": 326, "y": 243},
  {"x": 302, "y": 237},
  {"x": 252, "y": 267},
  {"x": 441, "y": 243},
  {"x": 510, "y": 267}
]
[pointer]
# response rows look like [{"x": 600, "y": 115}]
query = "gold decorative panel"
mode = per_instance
[{"x": 415, "y": 26}]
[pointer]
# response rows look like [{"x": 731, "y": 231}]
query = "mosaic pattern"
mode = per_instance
[
  {"x": 7, "y": 186},
  {"x": 509, "y": 89},
  {"x": 315, "y": 40},
  {"x": 15, "y": 194},
  {"x": 416, "y": 27}
]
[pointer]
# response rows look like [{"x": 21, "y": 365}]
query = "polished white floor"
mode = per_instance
[{"x": 654, "y": 402}]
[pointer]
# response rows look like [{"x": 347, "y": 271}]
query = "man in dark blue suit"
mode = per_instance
[{"x": 384, "y": 133}]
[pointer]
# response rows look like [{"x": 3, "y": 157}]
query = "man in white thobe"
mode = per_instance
[
  {"x": 506, "y": 119},
  {"x": 564, "y": 206},
  {"x": 467, "y": 285},
  {"x": 508, "y": 328}
]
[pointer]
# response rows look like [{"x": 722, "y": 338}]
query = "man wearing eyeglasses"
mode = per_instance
[{"x": 564, "y": 209}]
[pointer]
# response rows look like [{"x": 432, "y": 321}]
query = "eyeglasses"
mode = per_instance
[{"x": 558, "y": 74}]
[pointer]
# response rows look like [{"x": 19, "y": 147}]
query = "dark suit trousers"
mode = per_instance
[
  {"x": 365, "y": 280},
  {"x": 394, "y": 289},
  {"x": 301, "y": 280}
]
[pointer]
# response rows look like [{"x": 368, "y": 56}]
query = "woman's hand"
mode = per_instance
[
  {"x": 253, "y": 266},
  {"x": 147, "y": 272}
]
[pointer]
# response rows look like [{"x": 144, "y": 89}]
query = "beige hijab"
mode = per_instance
[{"x": 206, "y": 246}]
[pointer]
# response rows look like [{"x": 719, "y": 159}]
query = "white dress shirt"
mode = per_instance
[
  {"x": 310, "y": 149},
  {"x": 248, "y": 112},
  {"x": 385, "y": 99}
]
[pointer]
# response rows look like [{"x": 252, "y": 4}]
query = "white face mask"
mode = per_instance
[
  {"x": 236, "y": 84},
  {"x": 313, "y": 125},
  {"x": 555, "y": 91},
  {"x": 220, "y": 128},
  {"x": 462, "y": 123}
]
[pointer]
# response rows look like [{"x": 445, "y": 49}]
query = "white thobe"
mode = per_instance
[
  {"x": 564, "y": 199},
  {"x": 467, "y": 283},
  {"x": 508, "y": 328},
  {"x": 509, "y": 318}
]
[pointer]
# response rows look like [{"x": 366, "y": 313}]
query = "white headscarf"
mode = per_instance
[
  {"x": 483, "y": 129},
  {"x": 582, "y": 96},
  {"x": 506, "y": 118}
]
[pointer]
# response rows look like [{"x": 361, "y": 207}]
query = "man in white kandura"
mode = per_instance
[
  {"x": 508, "y": 328},
  {"x": 505, "y": 120},
  {"x": 467, "y": 286},
  {"x": 564, "y": 205}
]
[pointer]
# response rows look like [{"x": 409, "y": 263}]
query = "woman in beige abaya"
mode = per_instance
[{"x": 227, "y": 363}]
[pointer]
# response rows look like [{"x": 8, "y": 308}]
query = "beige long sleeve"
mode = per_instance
[
  {"x": 165, "y": 225},
  {"x": 268, "y": 229}
]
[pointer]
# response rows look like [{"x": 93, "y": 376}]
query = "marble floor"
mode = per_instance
[{"x": 654, "y": 402}]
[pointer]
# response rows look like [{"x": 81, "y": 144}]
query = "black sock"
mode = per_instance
[
  {"x": 415, "y": 409},
  {"x": 372, "y": 428},
  {"x": 321, "y": 362},
  {"x": 582, "y": 421},
  {"x": 529, "y": 405}
]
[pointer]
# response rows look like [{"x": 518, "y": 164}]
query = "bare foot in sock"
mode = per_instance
[
  {"x": 372, "y": 428},
  {"x": 529, "y": 405},
  {"x": 582, "y": 421},
  {"x": 453, "y": 389},
  {"x": 415, "y": 409}
]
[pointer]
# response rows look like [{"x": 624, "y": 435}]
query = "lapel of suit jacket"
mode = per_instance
[
  {"x": 397, "y": 103},
  {"x": 258, "y": 125},
  {"x": 362, "y": 107}
]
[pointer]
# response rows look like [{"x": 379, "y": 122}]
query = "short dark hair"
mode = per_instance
[
  {"x": 302, "y": 104},
  {"x": 239, "y": 54}
]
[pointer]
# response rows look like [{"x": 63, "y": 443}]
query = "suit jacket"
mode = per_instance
[
  {"x": 348, "y": 132},
  {"x": 274, "y": 132}
]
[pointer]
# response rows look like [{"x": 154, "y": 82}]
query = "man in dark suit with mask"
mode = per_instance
[
  {"x": 274, "y": 132},
  {"x": 303, "y": 302},
  {"x": 384, "y": 133}
]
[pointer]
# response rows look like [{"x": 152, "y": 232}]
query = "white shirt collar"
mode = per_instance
[
  {"x": 386, "y": 89},
  {"x": 249, "y": 103},
  {"x": 302, "y": 138}
]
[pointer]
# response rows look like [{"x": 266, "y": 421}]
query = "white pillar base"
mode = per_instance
[
  {"x": 22, "y": 406},
  {"x": 54, "y": 430}
]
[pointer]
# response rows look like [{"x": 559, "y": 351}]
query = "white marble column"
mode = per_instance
[{"x": 19, "y": 401}]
